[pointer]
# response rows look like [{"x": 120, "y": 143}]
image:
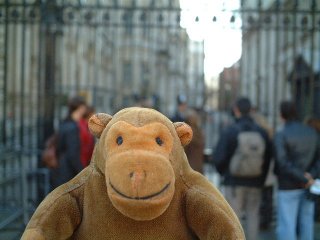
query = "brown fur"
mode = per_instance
[{"x": 88, "y": 207}]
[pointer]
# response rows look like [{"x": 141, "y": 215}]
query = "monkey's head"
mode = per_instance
[{"x": 136, "y": 155}]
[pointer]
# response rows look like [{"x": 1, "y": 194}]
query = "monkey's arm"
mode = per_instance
[
  {"x": 56, "y": 218},
  {"x": 211, "y": 217}
]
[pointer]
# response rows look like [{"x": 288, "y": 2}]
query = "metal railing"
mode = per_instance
[
  {"x": 50, "y": 50},
  {"x": 109, "y": 54}
]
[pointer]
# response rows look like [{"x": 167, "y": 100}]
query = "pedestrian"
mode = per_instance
[
  {"x": 297, "y": 155},
  {"x": 195, "y": 149},
  {"x": 68, "y": 144},
  {"x": 180, "y": 114},
  {"x": 266, "y": 207},
  {"x": 261, "y": 121},
  {"x": 242, "y": 157},
  {"x": 315, "y": 123},
  {"x": 86, "y": 138}
]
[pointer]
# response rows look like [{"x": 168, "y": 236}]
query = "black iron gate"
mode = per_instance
[
  {"x": 281, "y": 54},
  {"x": 113, "y": 53}
]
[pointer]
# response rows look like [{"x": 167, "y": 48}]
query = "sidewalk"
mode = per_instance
[
  {"x": 15, "y": 230},
  {"x": 265, "y": 234},
  {"x": 270, "y": 234}
]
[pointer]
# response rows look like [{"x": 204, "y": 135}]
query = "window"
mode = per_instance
[
  {"x": 144, "y": 74},
  {"x": 127, "y": 73}
]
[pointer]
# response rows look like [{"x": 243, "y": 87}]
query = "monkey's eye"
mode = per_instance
[
  {"x": 119, "y": 140},
  {"x": 159, "y": 141}
]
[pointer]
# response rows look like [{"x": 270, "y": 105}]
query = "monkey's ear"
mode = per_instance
[
  {"x": 98, "y": 122},
  {"x": 184, "y": 132}
]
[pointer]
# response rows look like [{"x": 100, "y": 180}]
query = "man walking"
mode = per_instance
[
  {"x": 242, "y": 157},
  {"x": 297, "y": 155}
]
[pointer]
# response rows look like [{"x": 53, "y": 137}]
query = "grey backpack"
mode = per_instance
[{"x": 249, "y": 156}]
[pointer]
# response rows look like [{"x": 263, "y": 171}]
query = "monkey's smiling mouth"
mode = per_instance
[{"x": 140, "y": 198}]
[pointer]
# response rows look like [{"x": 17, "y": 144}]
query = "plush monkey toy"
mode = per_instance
[{"x": 139, "y": 185}]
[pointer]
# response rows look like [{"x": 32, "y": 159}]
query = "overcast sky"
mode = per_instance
[{"x": 221, "y": 38}]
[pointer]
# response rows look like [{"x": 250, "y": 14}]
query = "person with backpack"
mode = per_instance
[
  {"x": 297, "y": 165},
  {"x": 242, "y": 157}
]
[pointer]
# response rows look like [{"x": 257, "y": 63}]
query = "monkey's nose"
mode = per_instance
[{"x": 137, "y": 177}]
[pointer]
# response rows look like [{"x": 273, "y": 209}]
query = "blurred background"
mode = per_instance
[{"x": 120, "y": 53}]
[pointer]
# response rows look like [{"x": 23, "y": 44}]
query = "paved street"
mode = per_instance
[
  {"x": 14, "y": 231},
  {"x": 268, "y": 234}
]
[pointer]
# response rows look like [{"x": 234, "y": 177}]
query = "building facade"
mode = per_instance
[
  {"x": 139, "y": 54},
  {"x": 229, "y": 84},
  {"x": 281, "y": 56}
]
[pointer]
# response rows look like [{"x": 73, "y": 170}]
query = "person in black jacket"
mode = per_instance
[
  {"x": 243, "y": 193},
  {"x": 297, "y": 155},
  {"x": 68, "y": 144}
]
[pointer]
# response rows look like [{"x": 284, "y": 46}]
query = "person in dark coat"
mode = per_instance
[
  {"x": 297, "y": 155},
  {"x": 242, "y": 192},
  {"x": 315, "y": 123},
  {"x": 68, "y": 147}
]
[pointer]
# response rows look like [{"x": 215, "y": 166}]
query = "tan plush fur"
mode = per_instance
[{"x": 139, "y": 185}]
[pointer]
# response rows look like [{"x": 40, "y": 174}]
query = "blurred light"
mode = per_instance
[{"x": 216, "y": 38}]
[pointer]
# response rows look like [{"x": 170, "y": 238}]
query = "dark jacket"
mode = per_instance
[
  {"x": 68, "y": 151},
  {"x": 178, "y": 117},
  {"x": 297, "y": 150},
  {"x": 227, "y": 146}
]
